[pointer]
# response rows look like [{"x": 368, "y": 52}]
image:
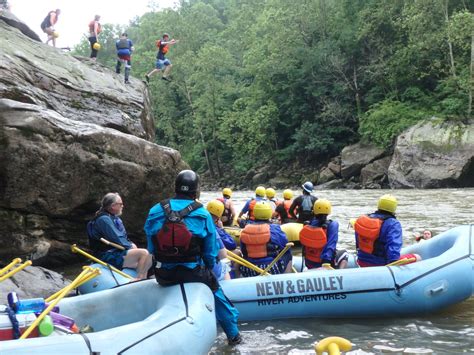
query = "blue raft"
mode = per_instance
[
  {"x": 137, "y": 318},
  {"x": 444, "y": 277}
]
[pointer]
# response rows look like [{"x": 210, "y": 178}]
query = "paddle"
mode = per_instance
[
  {"x": 239, "y": 260},
  {"x": 112, "y": 244},
  {"x": 402, "y": 262},
  {"x": 48, "y": 309},
  {"x": 95, "y": 272},
  {"x": 332, "y": 346},
  {"x": 6, "y": 268},
  {"x": 14, "y": 271},
  {"x": 75, "y": 249},
  {"x": 278, "y": 257}
]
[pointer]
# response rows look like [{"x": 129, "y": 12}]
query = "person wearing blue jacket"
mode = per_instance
[
  {"x": 250, "y": 205},
  {"x": 379, "y": 235},
  {"x": 261, "y": 242},
  {"x": 319, "y": 239},
  {"x": 124, "y": 48},
  {"x": 108, "y": 226},
  {"x": 182, "y": 236}
]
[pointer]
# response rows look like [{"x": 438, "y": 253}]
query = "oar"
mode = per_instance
[
  {"x": 112, "y": 244},
  {"x": 75, "y": 249},
  {"x": 402, "y": 262},
  {"x": 48, "y": 309},
  {"x": 6, "y": 268},
  {"x": 94, "y": 272},
  {"x": 278, "y": 257},
  {"x": 238, "y": 259},
  {"x": 332, "y": 346},
  {"x": 14, "y": 271}
]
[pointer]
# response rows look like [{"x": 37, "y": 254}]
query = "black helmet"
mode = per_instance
[{"x": 186, "y": 182}]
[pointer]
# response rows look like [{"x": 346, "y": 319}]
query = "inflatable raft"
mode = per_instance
[
  {"x": 444, "y": 277},
  {"x": 137, "y": 318}
]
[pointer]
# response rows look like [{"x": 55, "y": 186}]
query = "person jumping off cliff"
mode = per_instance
[{"x": 161, "y": 60}]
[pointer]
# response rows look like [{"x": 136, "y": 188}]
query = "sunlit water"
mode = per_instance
[{"x": 448, "y": 332}]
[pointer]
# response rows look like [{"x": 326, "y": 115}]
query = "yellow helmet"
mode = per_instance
[
  {"x": 96, "y": 46},
  {"x": 262, "y": 211},
  {"x": 260, "y": 191},
  {"x": 387, "y": 203},
  {"x": 270, "y": 192},
  {"x": 55, "y": 34},
  {"x": 287, "y": 194},
  {"x": 226, "y": 192},
  {"x": 216, "y": 208},
  {"x": 322, "y": 206}
]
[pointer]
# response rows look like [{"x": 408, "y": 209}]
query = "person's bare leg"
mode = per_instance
[
  {"x": 138, "y": 259},
  {"x": 167, "y": 71},
  {"x": 288, "y": 269},
  {"x": 153, "y": 72}
]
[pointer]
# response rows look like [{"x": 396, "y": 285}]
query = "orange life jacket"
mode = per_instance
[
  {"x": 256, "y": 238},
  {"x": 164, "y": 49},
  {"x": 368, "y": 231},
  {"x": 251, "y": 207},
  {"x": 92, "y": 26},
  {"x": 313, "y": 239}
]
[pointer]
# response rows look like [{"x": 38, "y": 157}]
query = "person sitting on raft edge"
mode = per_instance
[
  {"x": 262, "y": 241},
  {"x": 319, "y": 240},
  {"x": 250, "y": 205},
  {"x": 108, "y": 225},
  {"x": 229, "y": 213},
  {"x": 379, "y": 235}
]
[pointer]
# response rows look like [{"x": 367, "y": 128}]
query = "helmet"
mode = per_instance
[
  {"x": 262, "y": 211},
  {"x": 322, "y": 206},
  {"x": 270, "y": 192},
  {"x": 55, "y": 34},
  {"x": 186, "y": 182},
  {"x": 216, "y": 208},
  {"x": 287, "y": 194},
  {"x": 96, "y": 46},
  {"x": 226, "y": 192},
  {"x": 308, "y": 186},
  {"x": 387, "y": 203},
  {"x": 260, "y": 191}
]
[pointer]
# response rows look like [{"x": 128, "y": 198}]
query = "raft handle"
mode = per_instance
[{"x": 437, "y": 290}]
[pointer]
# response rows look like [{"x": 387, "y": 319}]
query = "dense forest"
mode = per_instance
[{"x": 275, "y": 82}]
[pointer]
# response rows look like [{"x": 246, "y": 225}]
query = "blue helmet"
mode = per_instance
[{"x": 308, "y": 186}]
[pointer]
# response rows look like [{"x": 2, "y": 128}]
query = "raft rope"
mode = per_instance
[
  {"x": 88, "y": 343},
  {"x": 185, "y": 300},
  {"x": 14, "y": 321},
  {"x": 112, "y": 273}
]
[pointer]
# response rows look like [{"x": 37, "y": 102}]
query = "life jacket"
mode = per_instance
[
  {"x": 252, "y": 204},
  {"x": 95, "y": 244},
  {"x": 123, "y": 44},
  {"x": 313, "y": 239},
  {"x": 174, "y": 243},
  {"x": 163, "y": 48},
  {"x": 286, "y": 205},
  {"x": 47, "y": 20},
  {"x": 256, "y": 238},
  {"x": 92, "y": 25},
  {"x": 368, "y": 232},
  {"x": 227, "y": 212}
]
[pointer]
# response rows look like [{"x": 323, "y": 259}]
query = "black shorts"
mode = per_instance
[{"x": 181, "y": 274}]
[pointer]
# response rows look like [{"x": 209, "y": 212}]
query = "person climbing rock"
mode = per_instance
[{"x": 48, "y": 26}]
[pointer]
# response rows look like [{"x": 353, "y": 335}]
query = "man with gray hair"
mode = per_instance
[{"x": 108, "y": 225}]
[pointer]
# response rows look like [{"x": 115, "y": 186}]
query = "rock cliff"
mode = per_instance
[{"x": 70, "y": 131}]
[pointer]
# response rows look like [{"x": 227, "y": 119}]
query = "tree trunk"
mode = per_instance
[
  {"x": 471, "y": 84},
  {"x": 450, "y": 45},
  {"x": 201, "y": 134},
  {"x": 357, "y": 92}
]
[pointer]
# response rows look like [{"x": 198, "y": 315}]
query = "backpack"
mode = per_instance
[
  {"x": 123, "y": 43},
  {"x": 307, "y": 204},
  {"x": 95, "y": 244},
  {"x": 174, "y": 242}
]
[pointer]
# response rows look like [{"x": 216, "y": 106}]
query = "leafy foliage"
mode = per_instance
[{"x": 271, "y": 80}]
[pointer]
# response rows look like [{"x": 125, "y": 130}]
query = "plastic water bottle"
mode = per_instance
[
  {"x": 32, "y": 305},
  {"x": 46, "y": 326},
  {"x": 62, "y": 320}
]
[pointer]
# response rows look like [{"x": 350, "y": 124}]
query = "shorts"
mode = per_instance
[
  {"x": 278, "y": 268},
  {"x": 124, "y": 57},
  {"x": 181, "y": 274},
  {"x": 339, "y": 256},
  {"x": 114, "y": 258},
  {"x": 160, "y": 63}
]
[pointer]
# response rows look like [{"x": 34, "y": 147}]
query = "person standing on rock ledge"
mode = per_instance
[
  {"x": 108, "y": 225},
  {"x": 48, "y": 26},
  {"x": 94, "y": 30},
  {"x": 124, "y": 53}
]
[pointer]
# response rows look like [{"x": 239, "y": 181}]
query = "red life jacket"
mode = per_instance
[
  {"x": 256, "y": 238},
  {"x": 251, "y": 207},
  {"x": 368, "y": 231},
  {"x": 286, "y": 205},
  {"x": 92, "y": 25},
  {"x": 164, "y": 49},
  {"x": 174, "y": 243},
  {"x": 313, "y": 239}
]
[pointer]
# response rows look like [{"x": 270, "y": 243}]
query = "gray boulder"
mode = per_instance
[
  {"x": 326, "y": 175},
  {"x": 375, "y": 172},
  {"x": 434, "y": 154},
  {"x": 54, "y": 171},
  {"x": 32, "y": 282},
  {"x": 13, "y": 21},
  {"x": 356, "y": 156}
]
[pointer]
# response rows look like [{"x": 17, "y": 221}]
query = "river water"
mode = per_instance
[{"x": 450, "y": 331}]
